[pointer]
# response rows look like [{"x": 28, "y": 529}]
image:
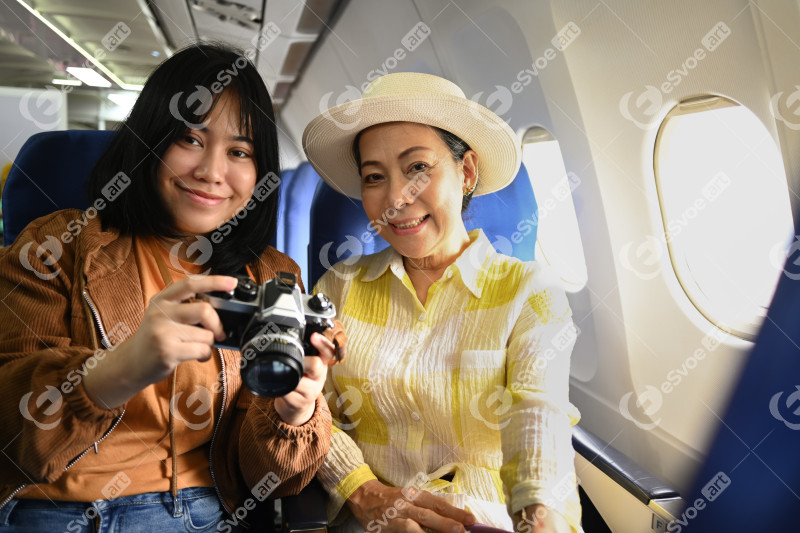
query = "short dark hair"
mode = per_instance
[
  {"x": 159, "y": 118},
  {"x": 457, "y": 146}
]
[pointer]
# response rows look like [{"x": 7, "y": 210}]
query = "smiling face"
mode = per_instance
[
  {"x": 206, "y": 175},
  {"x": 409, "y": 172}
]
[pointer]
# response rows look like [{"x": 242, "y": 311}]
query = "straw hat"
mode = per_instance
[{"x": 411, "y": 97}]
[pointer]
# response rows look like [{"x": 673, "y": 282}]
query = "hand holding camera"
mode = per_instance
[
  {"x": 272, "y": 325},
  {"x": 175, "y": 328}
]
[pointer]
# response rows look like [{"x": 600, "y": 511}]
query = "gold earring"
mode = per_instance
[{"x": 469, "y": 190}]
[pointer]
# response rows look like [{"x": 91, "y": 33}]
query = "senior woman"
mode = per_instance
[{"x": 457, "y": 378}]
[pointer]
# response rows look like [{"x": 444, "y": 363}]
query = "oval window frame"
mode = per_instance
[{"x": 690, "y": 287}]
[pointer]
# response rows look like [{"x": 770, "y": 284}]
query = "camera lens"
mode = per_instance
[
  {"x": 277, "y": 366},
  {"x": 272, "y": 377}
]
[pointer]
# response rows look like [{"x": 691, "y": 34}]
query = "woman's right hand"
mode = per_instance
[
  {"x": 413, "y": 509},
  {"x": 173, "y": 330}
]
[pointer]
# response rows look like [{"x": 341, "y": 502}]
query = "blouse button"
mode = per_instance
[
  {"x": 422, "y": 317},
  {"x": 450, "y": 274}
]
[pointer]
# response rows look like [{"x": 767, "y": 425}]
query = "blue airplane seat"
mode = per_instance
[
  {"x": 340, "y": 228},
  {"x": 499, "y": 215},
  {"x": 48, "y": 174},
  {"x": 278, "y": 241},
  {"x": 297, "y": 197},
  {"x": 751, "y": 478}
]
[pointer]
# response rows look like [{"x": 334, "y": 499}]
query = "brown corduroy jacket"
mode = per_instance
[{"x": 53, "y": 279}]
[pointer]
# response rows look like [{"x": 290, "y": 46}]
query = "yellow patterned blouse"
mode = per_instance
[{"x": 466, "y": 396}]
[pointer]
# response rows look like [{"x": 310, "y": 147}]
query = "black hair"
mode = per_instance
[
  {"x": 457, "y": 146},
  {"x": 180, "y": 93}
]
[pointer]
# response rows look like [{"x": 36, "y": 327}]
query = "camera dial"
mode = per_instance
[
  {"x": 319, "y": 303},
  {"x": 246, "y": 290}
]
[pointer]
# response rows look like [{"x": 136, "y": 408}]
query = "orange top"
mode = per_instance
[{"x": 136, "y": 457}]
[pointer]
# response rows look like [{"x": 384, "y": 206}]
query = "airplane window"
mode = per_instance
[
  {"x": 726, "y": 211},
  {"x": 558, "y": 240}
]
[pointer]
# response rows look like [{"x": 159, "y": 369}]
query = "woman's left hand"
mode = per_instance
[
  {"x": 297, "y": 407},
  {"x": 540, "y": 519}
]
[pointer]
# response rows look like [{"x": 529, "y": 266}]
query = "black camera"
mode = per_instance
[{"x": 271, "y": 325}]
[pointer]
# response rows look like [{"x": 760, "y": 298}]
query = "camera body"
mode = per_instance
[{"x": 271, "y": 324}]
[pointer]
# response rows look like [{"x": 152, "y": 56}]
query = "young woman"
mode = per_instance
[
  {"x": 460, "y": 355},
  {"x": 117, "y": 413}
]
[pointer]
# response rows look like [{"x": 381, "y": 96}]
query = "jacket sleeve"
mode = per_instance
[
  {"x": 277, "y": 457},
  {"x": 46, "y": 417},
  {"x": 538, "y": 458}
]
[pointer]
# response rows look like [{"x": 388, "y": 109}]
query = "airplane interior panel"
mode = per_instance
[{"x": 661, "y": 141}]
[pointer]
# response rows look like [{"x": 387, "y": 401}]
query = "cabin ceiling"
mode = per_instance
[{"x": 130, "y": 37}]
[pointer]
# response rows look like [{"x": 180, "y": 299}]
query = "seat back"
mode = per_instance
[
  {"x": 754, "y": 456},
  {"x": 50, "y": 173},
  {"x": 278, "y": 239},
  {"x": 297, "y": 194},
  {"x": 340, "y": 228}
]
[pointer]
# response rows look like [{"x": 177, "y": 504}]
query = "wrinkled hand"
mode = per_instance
[
  {"x": 339, "y": 339},
  {"x": 175, "y": 328},
  {"x": 413, "y": 510},
  {"x": 540, "y": 519}
]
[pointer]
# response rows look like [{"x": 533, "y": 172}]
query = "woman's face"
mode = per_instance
[
  {"x": 412, "y": 189},
  {"x": 208, "y": 174}
]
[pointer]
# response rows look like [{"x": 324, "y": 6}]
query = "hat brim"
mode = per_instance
[{"x": 328, "y": 139}]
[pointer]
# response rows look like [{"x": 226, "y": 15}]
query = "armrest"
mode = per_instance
[
  {"x": 622, "y": 470},
  {"x": 306, "y": 512}
]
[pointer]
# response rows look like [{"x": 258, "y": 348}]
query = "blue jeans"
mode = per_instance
[{"x": 198, "y": 511}]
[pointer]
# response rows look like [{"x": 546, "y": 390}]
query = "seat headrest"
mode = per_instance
[
  {"x": 340, "y": 228},
  {"x": 50, "y": 173}
]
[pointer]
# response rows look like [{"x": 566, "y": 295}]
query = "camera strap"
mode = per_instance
[{"x": 158, "y": 255}]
